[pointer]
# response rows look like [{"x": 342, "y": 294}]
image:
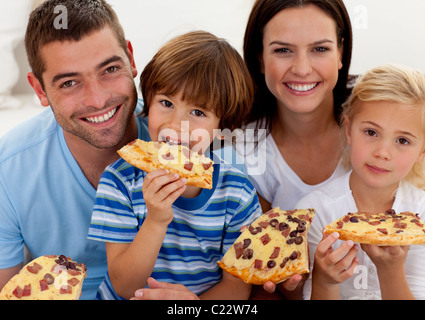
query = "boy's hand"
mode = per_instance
[
  {"x": 164, "y": 291},
  {"x": 160, "y": 190}
]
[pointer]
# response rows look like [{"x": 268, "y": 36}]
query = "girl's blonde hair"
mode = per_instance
[{"x": 390, "y": 83}]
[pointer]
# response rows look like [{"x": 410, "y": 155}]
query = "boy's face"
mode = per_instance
[
  {"x": 386, "y": 140},
  {"x": 89, "y": 85},
  {"x": 180, "y": 122}
]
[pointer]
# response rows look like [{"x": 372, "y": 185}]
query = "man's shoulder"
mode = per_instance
[{"x": 28, "y": 134}]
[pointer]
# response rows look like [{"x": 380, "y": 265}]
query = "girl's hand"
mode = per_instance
[
  {"x": 332, "y": 267},
  {"x": 386, "y": 256},
  {"x": 160, "y": 190}
]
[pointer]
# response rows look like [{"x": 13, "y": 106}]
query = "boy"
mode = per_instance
[{"x": 153, "y": 224}]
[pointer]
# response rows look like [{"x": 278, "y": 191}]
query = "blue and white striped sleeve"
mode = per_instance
[{"x": 113, "y": 218}]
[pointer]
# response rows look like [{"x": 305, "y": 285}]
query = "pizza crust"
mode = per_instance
[
  {"x": 411, "y": 232},
  {"x": 150, "y": 156}
]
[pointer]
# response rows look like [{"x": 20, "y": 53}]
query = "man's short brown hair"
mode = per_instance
[
  {"x": 207, "y": 71},
  {"x": 83, "y": 18}
]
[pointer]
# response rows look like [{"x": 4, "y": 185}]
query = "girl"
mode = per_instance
[
  {"x": 153, "y": 224},
  {"x": 385, "y": 136}
]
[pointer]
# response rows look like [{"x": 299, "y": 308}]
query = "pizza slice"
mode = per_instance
[
  {"x": 46, "y": 278},
  {"x": 273, "y": 248},
  {"x": 149, "y": 156},
  {"x": 388, "y": 229}
]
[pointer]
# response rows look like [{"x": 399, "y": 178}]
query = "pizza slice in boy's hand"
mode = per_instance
[
  {"x": 46, "y": 278},
  {"x": 388, "y": 229},
  {"x": 149, "y": 156},
  {"x": 273, "y": 248}
]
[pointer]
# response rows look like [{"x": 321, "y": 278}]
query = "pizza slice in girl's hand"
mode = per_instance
[
  {"x": 149, "y": 156},
  {"x": 273, "y": 248},
  {"x": 46, "y": 278},
  {"x": 388, "y": 229}
]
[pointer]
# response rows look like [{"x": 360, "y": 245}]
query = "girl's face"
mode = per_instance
[
  {"x": 386, "y": 140},
  {"x": 179, "y": 122},
  {"x": 301, "y": 58}
]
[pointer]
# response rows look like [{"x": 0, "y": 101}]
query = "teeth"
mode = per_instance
[
  {"x": 302, "y": 87},
  {"x": 103, "y": 118},
  {"x": 170, "y": 141}
]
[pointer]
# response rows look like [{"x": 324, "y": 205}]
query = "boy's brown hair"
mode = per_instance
[
  {"x": 83, "y": 18},
  {"x": 207, "y": 71}
]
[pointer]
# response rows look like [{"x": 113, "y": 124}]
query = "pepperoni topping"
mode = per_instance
[
  {"x": 65, "y": 289},
  {"x": 374, "y": 223},
  {"x": 258, "y": 264},
  {"x": 43, "y": 285},
  {"x": 73, "y": 281},
  {"x": 400, "y": 225},
  {"x": 34, "y": 268},
  {"x": 382, "y": 230},
  {"x": 264, "y": 224},
  {"x": 275, "y": 253},
  {"x": 265, "y": 239},
  {"x": 285, "y": 233},
  {"x": 238, "y": 249},
  {"x": 18, "y": 292},
  {"x": 27, "y": 291},
  {"x": 273, "y": 215},
  {"x": 207, "y": 165},
  {"x": 188, "y": 166}
]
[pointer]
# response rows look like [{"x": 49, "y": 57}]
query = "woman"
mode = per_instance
[{"x": 298, "y": 54}]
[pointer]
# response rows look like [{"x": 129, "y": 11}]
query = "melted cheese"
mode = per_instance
[{"x": 176, "y": 157}]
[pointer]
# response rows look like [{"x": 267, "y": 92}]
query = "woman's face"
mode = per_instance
[{"x": 301, "y": 58}]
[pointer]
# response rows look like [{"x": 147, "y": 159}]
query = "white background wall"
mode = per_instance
[{"x": 384, "y": 30}]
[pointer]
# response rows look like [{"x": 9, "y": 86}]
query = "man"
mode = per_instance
[{"x": 83, "y": 68}]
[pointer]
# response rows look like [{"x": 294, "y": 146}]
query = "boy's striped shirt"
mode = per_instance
[{"x": 202, "y": 230}]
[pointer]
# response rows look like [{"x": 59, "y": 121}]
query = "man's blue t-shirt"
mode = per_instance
[{"x": 46, "y": 202}]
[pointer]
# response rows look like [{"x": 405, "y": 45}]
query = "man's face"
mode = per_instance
[{"x": 90, "y": 88}]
